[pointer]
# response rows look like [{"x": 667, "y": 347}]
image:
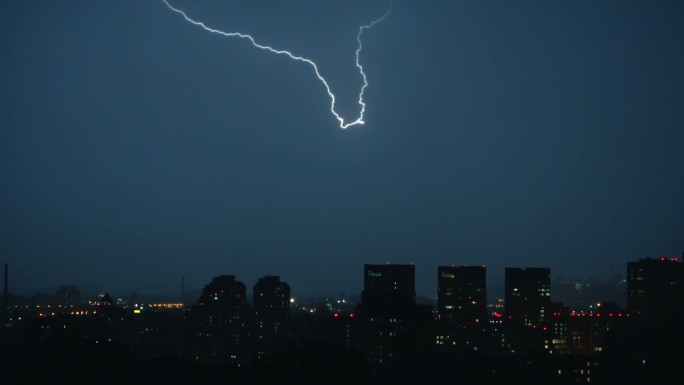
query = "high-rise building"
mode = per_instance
[
  {"x": 271, "y": 311},
  {"x": 527, "y": 296},
  {"x": 393, "y": 327},
  {"x": 220, "y": 322},
  {"x": 223, "y": 294},
  {"x": 389, "y": 286},
  {"x": 655, "y": 286},
  {"x": 463, "y": 324},
  {"x": 462, "y": 294},
  {"x": 527, "y": 310},
  {"x": 5, "y": 292},
  {"x": 4, "y": 310}
]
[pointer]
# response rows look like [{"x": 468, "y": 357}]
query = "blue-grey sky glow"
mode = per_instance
[{"x": 136, "y": 147}]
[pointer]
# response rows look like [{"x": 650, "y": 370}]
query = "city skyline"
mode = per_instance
[
  {"x": 386, "y": 335},
  {"x": 189, "y": 294},
  {"x": 137, "y": 148},
  {"x": 426, "y": 281}
]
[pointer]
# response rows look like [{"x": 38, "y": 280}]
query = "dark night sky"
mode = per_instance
[{"x": 136, "y": 148}]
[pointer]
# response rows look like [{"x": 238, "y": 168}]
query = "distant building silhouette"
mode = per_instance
[
  {"x": 4, "y": 311},
  {"x": 106, "y": 300},
  {"x": 655, "y": 287},
  {"x": 68, "y": 295},
  {"x": 272, "y": 313},
  {"x": 224, "y": 295},
  {"x": 393, "y": 327},
  {"x": 5, "y": 292},
  {"x": 220, "y": 322},
  {"x": 582, "y": 294},
  {"x": 389, "y": 286}
]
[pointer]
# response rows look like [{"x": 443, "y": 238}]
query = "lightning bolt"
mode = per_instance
[{"x": 343, "y": 124}]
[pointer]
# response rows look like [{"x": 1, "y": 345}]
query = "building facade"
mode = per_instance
[
  {"x": 462, "y": 295},
  {"x": 655, "y": 287},
  {"x": 527, "y": 296},
  {"x": 271, "y": 313}
]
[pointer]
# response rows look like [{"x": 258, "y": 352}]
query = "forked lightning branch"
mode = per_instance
[{"x": 343, "y": 123}]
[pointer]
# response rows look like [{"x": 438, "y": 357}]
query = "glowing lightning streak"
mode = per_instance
[{"x": 343, "y": 125}]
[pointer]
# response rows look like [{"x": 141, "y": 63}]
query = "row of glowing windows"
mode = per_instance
[{"x": 82, "y": 312}]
